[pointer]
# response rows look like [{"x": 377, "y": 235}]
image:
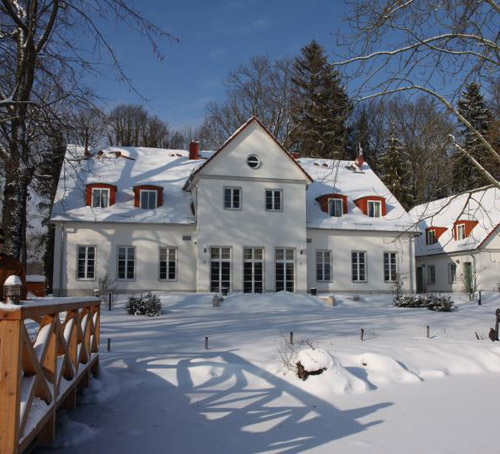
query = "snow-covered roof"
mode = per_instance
[
  {"x": 343, "y": 177},
  {"x": 481, "y": 205},
  {"x": 135, "y": 166},
  {"x": 126, "y": 167}
]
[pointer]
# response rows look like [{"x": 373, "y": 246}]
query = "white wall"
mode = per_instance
[
  {"x": 250, "y": 226},
  {"x": 342, "y": 243},
  {"x": 146, "y": 238}
]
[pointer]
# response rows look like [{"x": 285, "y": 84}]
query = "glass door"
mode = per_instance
[
  {"x": 285, "y": 269},
  {"x": 253, "y": 267}
]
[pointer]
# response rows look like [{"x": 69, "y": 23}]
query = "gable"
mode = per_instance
[{"x": 253, "y": 140}]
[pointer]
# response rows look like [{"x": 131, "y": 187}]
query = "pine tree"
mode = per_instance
[
  {"x": 360, "y": 136},
  {"x": 473, "y": 107},
  {"x": 320, "y": 106},
  {"x": 394, "y": 172}
]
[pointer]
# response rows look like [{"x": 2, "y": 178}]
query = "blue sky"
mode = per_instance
[{"x": 215, "y": 37}]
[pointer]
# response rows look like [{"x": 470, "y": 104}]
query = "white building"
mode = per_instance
[
  {"x": 459, "y": 249},
  {"x": 250, "y": 218}
]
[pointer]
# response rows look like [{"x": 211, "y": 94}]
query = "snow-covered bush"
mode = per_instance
[
  {"x": 148, "y": 304},
  {"x": 312, "y": 361},
  {"x": 432, "y": 302},
  {"x": 440, "y": 303}
]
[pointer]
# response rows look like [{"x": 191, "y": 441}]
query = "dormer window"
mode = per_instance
[
  {"x": 460, "y": 232},
  {"x": 335, "y": 208},
  {"x": 463, "y": 228},
  {"x": 148, "y": 196},
  {"x": 430, "y": 237},
  {"x": 100, "y": 198},
  {"x": 149, "y": 199},
  {"x": 374, "y": 208},
  {"x": 100, "y": 195}
]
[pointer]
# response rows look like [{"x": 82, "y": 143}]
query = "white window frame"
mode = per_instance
[
  {"x": 126, "y": 263},
  {"x": 168, "y": 250},
  {"x": 452, "y": 275},
  {"x": 232, "y": 189},
  {"x": 86, "y": 262},
  {"x": 273, "y": 200},
  {"x": 460, "y": 232},
  {"x": 254, "y": 261},
  {"x": 100, "y": 190},
  {"x": 323, "y": 257},
  {"x": 376, "y": 212},
  {"x": 430, "y": 237},
  {"x": 221, "y": 260},
  {"x": 358, "y": 267},
  {"x": 282, "y": 263},
  {"x": 149, "y": 191},
  {"x": 392, "y": 266},
  {"x": 431, "y": 274},
  {"x": 333, "y": 207}
]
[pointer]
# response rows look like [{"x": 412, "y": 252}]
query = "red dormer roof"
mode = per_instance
[
  {"x": 323, "y": 201},
  {"x": 148, "y": 187},
  {"x": 362, "y": 203},
  {"x": 469, "y": 226},
  {"x": 112, "y": 192}
]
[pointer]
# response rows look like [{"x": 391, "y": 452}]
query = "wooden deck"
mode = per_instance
[{"x": 48, "y": 349}]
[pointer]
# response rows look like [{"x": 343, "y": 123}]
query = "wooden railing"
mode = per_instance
[{"x": 48, "y": 348}]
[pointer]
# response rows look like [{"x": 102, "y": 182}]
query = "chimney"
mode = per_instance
[
  {"x": 295, "y": 155},
  {"x": 360, "y": 159},
  {"x": 118, "y": 154},
  {"x": 194, "y": 149}
]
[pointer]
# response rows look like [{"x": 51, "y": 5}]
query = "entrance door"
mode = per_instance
[
  {"x": 220, "y": 268},
  {"x": 253, "y": 266},
  {"x": 420, "y": 279},
  {"x": 285, "y": 269}
]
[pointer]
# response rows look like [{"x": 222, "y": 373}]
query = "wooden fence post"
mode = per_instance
[{"x": 10, "y": 382}]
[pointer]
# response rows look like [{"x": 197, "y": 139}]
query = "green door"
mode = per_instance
[{"x": 420, "y": 279}]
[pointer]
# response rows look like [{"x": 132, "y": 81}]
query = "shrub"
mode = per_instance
[
  {"x": 432, "y": 302},
  {"x": 148, "y": 304}
]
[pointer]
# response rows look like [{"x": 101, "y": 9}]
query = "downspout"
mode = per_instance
[
  {"x": 412, "y": 268},
  {"x": 61, "y": 256}
]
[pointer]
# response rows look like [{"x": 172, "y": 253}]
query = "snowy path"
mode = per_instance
[{"x": 161, "y": 392}]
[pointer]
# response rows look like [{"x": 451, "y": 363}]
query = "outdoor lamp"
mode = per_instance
[{"x": 12, "y": 290}]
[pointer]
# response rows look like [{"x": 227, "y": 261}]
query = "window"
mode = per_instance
[
  {"x": 253, "y": 161},
  {"x": 390, "y": 268},
  {"x": 374, "y": 208},
  {"x": 431, "y": 274},
  {"x": 358, "y": 266},
  {"x": 100, "y": 197},
  {"x": 273, "y": 199},
  {"x": 86, "y": 262},
  {"x": 126, "y": 262},
  {"x": 431, "y": 237},
  {"x": 168, "y": 264},
  {"x": 323, "y": 266},
  {"x": 335, "y": 208},
  {"x": 149, "y": 199},
  {"x": 253, "y": 267},
  {"x": 220, "y": 268},
  {"x": 452, "y": 273},
  {"x": 460, "y": 232},
  {"x": 285, "y": 269},
  {"x": 232, "y": 198}
]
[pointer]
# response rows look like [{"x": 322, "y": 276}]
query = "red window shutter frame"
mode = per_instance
[
  {"x": 469, "y": 226},
  {"x": 325, "y": 198},
  {"x": 149, "y": 187},
  {"x": 362, "y": 203},
  {"x": 112, "y": 192}
]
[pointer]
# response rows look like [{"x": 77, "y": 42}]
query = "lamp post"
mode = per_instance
[{"x": 12, "y": 289}]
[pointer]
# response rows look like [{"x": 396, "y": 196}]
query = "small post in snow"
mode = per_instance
[
  {"x": 428, "y": 329},
  {"x": 206, "y": 342},
  {"x": 362, "y": 334},
  {"x": 497, "y": 313},
  {"x": 109, "y": 344},
  {"x": 291, "y": 337},
  {"x": 479, "y": 302},
  {"x": 110, "y": 299}
]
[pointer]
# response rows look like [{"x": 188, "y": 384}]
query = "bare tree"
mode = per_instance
[
  {"x": 427, "y": 47},
  {"x": 262, "y": 88},
  {"x": 40, "y": 65}
]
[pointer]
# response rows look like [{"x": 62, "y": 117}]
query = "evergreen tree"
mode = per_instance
[
  {"x": 360, "y": 135},
  {"x": 394, "y": 170},
  {"x": 473, "y": 107},
  {"x": 319, "y": 106}
]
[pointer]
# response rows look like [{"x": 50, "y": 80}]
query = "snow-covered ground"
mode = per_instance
[{"x": 398, "y": 391}]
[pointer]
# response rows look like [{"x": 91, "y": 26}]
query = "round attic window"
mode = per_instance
[{"x": 253, "y": 161}]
